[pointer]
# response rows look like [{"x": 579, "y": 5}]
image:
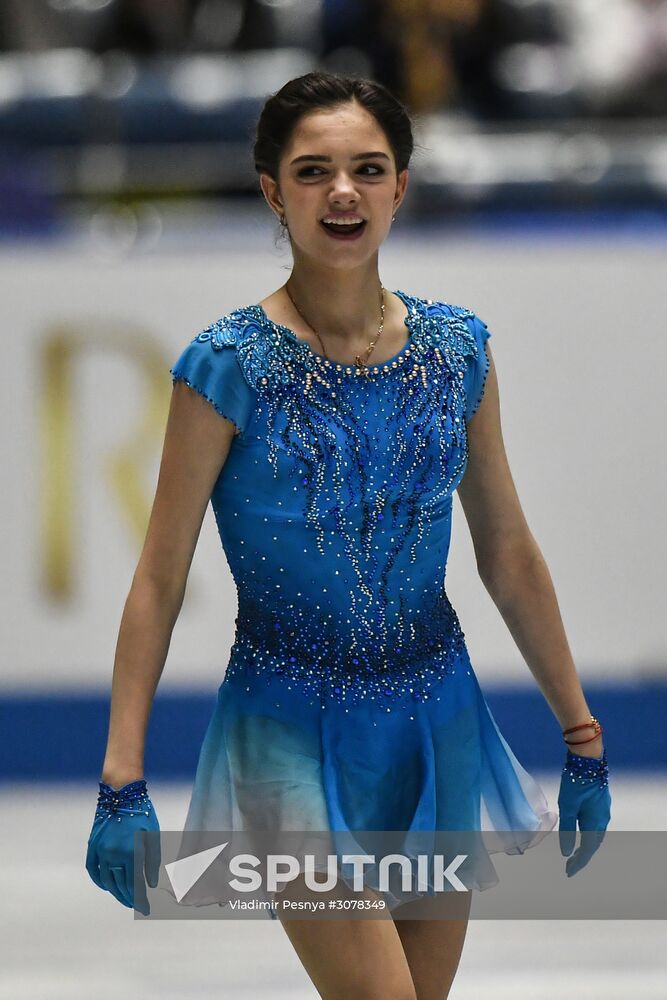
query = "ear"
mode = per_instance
[
  {"x": 271, "y": 193},
  {"x": 401, "y": 187}
]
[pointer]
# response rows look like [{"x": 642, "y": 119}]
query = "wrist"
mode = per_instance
[
  {"x": 584, "y": 746},
  {"x": 131, "y": 799},
  {"x": 117, "y": 776},
  {"x": 586, "y": 771},
  {"x": 592, "y": 749}
]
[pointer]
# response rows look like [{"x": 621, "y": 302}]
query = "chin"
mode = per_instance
[{"x": 341, "y": 255}]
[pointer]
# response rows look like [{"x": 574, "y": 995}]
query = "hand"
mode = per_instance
[
  {"x": 584, "y": 797},
  {"x": 111, "y": 852}
]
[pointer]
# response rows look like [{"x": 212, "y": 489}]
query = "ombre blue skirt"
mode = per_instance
[{"x": 440, "y": 764}]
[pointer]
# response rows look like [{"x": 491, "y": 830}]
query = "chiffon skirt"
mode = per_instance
[{"x": 272, "y": 761}]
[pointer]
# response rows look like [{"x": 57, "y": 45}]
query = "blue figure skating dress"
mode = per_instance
[{"x": 349, "y": 701}]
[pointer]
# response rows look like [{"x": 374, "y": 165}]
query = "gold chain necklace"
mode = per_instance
[{"x": 361, "y": 364}]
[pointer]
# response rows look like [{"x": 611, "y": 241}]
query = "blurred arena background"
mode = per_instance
[{"x": 129, "y": 219}]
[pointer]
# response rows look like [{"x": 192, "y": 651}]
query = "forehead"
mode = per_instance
[{"x": 341, "y": 129}]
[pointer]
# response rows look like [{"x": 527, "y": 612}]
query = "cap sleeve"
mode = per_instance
[
  {"x": 474, "y": 380},
  {"x": 209, "y": 364}
]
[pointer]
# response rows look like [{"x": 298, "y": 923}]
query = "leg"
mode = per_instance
[
  {"x": 345, "y": 959},
  {"x": 433, "y": 950}
]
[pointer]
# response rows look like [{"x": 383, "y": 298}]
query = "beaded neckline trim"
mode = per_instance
[
  {"x": 305, "y": 352},
  {"x": 272, "y": 355}
]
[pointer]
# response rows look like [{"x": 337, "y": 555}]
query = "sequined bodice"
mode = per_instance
[{"x": 334, "y": 505}]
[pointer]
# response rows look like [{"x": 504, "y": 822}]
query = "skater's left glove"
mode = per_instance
[{"x": 584, "y": 798}]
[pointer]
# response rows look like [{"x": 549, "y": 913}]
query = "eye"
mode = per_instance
[{"x": 304, "y": 171}]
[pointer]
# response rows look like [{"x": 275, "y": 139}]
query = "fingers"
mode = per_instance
[
  {"x": 593, "y": 817},
  {"x": 122, "y": 881},
  {"x": 590, "y": 843},
  {"x": 140, "y": 898},
  {"x": 567, "y": 833},
  {"x": 113, "y": 871},
  {"x": 153, "y": 857},
  {"x": 110, "y": 884},
  {"x": 116, "y": 850},
  {"x": 92, "y": 866}
]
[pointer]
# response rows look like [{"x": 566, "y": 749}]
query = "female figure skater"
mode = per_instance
[{"x": 330, "y": 424}]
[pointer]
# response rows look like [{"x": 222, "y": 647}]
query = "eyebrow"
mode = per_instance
[{"x": 327, "y": 159}]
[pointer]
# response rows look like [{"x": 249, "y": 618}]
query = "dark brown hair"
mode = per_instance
[{"x": 318, "y": 90}]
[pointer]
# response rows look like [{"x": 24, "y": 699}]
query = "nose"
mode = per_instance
[{"x": 343, "y": 191}]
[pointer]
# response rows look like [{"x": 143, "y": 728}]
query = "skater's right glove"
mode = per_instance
[{"x": 110, "y": 858}]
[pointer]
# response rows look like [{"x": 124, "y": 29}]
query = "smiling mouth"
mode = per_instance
[{"x": 339, "y": 231}]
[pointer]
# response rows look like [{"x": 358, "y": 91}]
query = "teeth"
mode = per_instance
[{"x": 343, "y": 222}]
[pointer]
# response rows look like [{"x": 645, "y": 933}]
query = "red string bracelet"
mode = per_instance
[{"x": 573, "y": 729}]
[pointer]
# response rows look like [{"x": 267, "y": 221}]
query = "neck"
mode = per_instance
[{"x": 344, "y": 304}]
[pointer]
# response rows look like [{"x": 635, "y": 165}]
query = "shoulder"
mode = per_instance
[
  {"x": 229, "y": 330},
  {"x": 469, "y": 334},
  {"x": 215, "y": 364},
  {"x": 236, "y": 340},
  {"x": 213, "y": 346},
  {"x": 454, "y": 327}
]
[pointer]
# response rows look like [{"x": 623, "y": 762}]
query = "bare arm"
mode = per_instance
[
  {"x": 513, "y": 570},
  {"x": 196, "y": 444}
]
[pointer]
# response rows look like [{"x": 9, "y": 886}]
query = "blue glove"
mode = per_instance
[
  {"x": 111, "y": 850},
  {"x": 584, "y": 797}
]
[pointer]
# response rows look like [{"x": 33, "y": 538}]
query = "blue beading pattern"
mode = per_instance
[
  {"x": 282, "y": 358},
  {"x": 325, "y": 669},
  {"x": 130, "y": 800},
  {"x": 366, "y": 512},
  {"x": 587, "y": 770},
  {"x": 485, "y": 374}
]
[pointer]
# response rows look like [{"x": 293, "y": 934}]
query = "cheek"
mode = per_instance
[
  {"x": 381, "y": 221},
  {"x": 303, "y": 196},
  {"x": 380, "y": 204},
  {"x": 303, "y": 211}
]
